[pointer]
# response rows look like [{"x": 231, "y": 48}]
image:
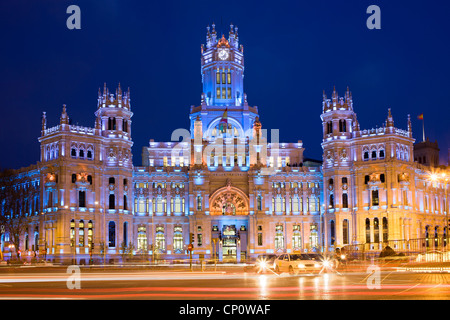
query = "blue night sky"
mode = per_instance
[{"x": 293, "y": 51}]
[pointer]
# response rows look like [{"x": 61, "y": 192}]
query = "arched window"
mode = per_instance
[
  {"x": 375, "y": 198},
  {"x": 329, "y": 127},
  {"x": 160, "y": 244},
  {"x": 366, "y": 155},
  {"x": 124, "y": 125},
  {"x": 178, "y": 245},
  {"x": 367, "y": 230},
  {"x": 342, "y": 126},
  {"x": 73, "y": 153},
  {"x": 313, "y": 237},
  {"x": 376, "y": 230},
  {"x": 258, "y": 203},
  {"x": 90, "y": 233},
  {"x": 112, "y": 180},
  {"x": 125, "y": 233},
  {"x": 332, "y": 232},
  {"x": 345, "y": 233},
  {"x": 331, "y": 204},
  {"x": 72, "y": 232},
  {"x": 279, "y": 238},
  {"x": 111, "y": 234},
  {"x": 82, "y": 199},
  {"x": 26, "y": 242},
  {"x": 112, "y": 201},
  {"x": 296, "y": 238},
  {"x": 36, "y": 238},
  {"x": 344, "y": 200},
  {"x": 385, "y": 229},
  {"x": 142, "y": 238},
  {"x": 81, "y": 233},
  {"x": 445, "y": 236},
  {"x": 111, "y": 123},
  {"x": 125, "y": 202},
  {"x": 436, "y": 236},
  {"x": 50, "y": 199}
]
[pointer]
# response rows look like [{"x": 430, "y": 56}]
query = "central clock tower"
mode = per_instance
[
  {"x": 223, "y": 100},
  {"x": 223, "y": 69}
]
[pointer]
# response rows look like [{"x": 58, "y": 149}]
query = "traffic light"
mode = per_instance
[{"x": 191, "y": 238}]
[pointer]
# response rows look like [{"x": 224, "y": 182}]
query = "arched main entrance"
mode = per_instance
[{"x": 229, "y": 211}]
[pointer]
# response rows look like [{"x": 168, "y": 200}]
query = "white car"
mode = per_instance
[{"x": 295, "y": 263}]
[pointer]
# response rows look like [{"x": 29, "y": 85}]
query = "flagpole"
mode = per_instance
[{"x": 423, "y": 129}]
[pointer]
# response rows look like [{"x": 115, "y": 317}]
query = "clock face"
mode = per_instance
[{"x": 223, "y": 54}]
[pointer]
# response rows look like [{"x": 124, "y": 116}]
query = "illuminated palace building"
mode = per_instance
[{"x": 221, "y": 183}]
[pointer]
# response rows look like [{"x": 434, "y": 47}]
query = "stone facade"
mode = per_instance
[{"x": 225, "y": 186}]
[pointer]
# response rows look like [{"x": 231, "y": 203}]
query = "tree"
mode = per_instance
[{"x": 14, "y": 197}]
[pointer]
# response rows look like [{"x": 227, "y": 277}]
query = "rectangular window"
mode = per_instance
[
  {"x": 218, "y": 77},
  {"x": 82, "y": 199},
  {"x": 229, "y": 93},
  {"x": 260, "y": 239},
  {"x": 296, "y": 240},
  {"x": 229, "y": 78},
  {"x": 218, "y": 93},
  {"x": 142, "y": 206},
  {"x": 375, "y": 198},
  {"x": 295, "y": 204},
  {"x": 223, "y": 93},
  {"x": 223, "y": 77},
  {"x": 405, "y": 198},
  {"x": 199, "y": 239}
]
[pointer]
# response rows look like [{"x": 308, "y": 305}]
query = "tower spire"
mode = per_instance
[
  {"x": 64, "y": 117},
  {"x": 44, "y": 121},
  {"x": 390, "y": 119}
]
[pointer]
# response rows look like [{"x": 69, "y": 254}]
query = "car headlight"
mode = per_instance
[
  {"x": 326, "y": 264},
  {"x": 301, "y": 265},
  {"x": 262, "y": 264},
  {"x": 316, "y": 265},
  {"x": 342, "y": 256}
]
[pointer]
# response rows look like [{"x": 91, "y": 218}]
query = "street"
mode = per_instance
[{"x": 232, "y": 284}]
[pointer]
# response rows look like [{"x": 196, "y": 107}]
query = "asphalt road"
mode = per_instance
[{"x": 61, "y": 283}]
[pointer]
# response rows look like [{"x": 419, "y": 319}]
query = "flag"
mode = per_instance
[
  {"x": 223, "y": 124},
  {"x": 420, "y": 117}
]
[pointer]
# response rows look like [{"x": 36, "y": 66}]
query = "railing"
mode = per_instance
[{"x": 403, "y": 247}]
